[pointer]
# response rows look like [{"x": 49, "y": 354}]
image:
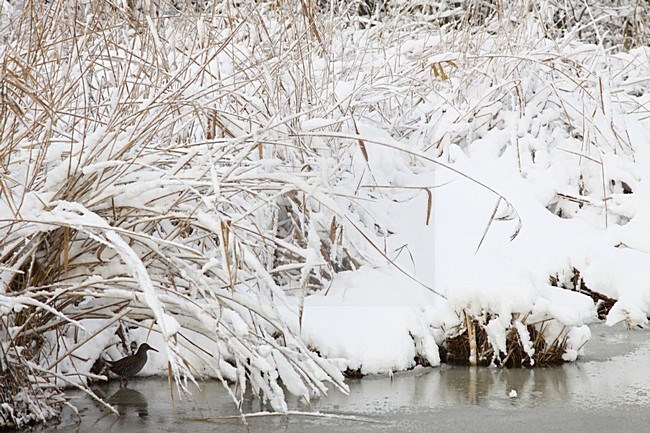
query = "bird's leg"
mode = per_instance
[{"x": 124, "y": 382}]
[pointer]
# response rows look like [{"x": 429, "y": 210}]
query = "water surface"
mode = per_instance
[{"x": 607, "y": 390}]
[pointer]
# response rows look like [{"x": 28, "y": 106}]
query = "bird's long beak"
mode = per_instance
[{"x": 153, "y": 349}]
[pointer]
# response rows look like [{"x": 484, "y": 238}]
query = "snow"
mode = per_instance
[
  {"x": 277, "y": 212},
  {"x": 503, "y": 276}
]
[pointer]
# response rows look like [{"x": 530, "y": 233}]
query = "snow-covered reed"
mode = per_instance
[
  {"x": 190, "y": 176},
  {"x": 147, "y": 186}
]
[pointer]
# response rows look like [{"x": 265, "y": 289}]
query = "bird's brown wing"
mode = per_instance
[{"x": 119, "y": 367}]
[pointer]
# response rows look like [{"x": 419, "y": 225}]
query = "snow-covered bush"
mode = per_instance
[
  {"x": 279, "y": 192},
  {"x": 147, "y": 188}
]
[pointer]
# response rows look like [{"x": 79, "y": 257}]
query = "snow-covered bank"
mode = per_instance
[{"x": 275, "y": 195}]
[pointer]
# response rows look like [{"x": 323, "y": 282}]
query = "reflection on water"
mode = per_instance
[
  {"x": 125, "y": 399},
  {"x": 613, "y": 378},
  {"x": 457, "y": 386}
]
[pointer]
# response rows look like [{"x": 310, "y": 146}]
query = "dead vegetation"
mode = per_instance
[
  {"x": 134, "y": 194},
  {"x": 136, "y": 189},
  {"x": 546, "y": 350},
  {"x": 577, "y": 284}
]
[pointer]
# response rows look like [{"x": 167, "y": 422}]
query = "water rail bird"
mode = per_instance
[{"x": 130, "y": 365}]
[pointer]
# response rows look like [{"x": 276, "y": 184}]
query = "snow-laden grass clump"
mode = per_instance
[{"x": 277, "y": 193}]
